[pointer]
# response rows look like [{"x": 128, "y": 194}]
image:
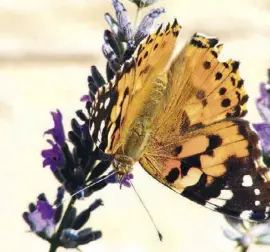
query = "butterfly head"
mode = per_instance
[{"x": 123, "y": 164}]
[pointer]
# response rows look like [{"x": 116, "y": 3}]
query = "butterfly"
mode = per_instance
[{"x": 181, "y": 119}]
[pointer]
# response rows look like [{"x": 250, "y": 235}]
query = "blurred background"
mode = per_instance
[{"x": 46, "y": 50}]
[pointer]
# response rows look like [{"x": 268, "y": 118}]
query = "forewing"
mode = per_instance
[
  {"x": 117, "y": 104},
  {"x": 201, "y": 89}
]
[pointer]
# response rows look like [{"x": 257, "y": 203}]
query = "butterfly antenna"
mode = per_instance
[
  {"x": 74, "y": 194},
  {"x": 147, "y": 211}
]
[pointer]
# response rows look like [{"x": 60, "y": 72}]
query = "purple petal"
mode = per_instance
[
  {"x": 263, "y": 103},
  {"x": 263, "y": 130},
  {"x": 45, "y": 163},
  {"x": 85, "y": 98},
  {"x": 263, "y": 91},
  {"x": 125, "y": 183},
  {"x": 53, "y": 157},
  {"x": 147, "y": 23},
  {"x": 123, "y": 20},
  {"x": 114, "y": 178},
  {"x": 42, "y": 219},
  {"x": 57, "y": 131},
  {"x": 46, "y": 210},
  {"x": 126, "y": 180},
  {"x": 36, "y": 220}
]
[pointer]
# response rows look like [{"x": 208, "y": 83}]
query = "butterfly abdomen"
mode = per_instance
[{"x": 150, "y": 102}]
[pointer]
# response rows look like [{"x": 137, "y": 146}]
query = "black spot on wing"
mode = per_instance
[
  {"x": 218, "y": 75},
  {"x": 214, "y": 141},
  {"x": 207, "y": 64},
  {"x": 235, "y": 66},
  {"x": 178, "y": 149},
  {"x": 244, "y": 99},
  {"x": 188, "y": 162},
  {"x": 225, "y": 64},
  {"x": 191, "y": 192},
  {"x": 233, "y": 81},
  {"x": 214, "y": 54},
  {"x": 222, "y": 91},
  {"x": 240, "y": 83},
  {"x": 226, "y": 103},
  {"x": 173, "y": 175}
]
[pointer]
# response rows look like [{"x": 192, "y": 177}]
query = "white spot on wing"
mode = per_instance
[
  {"x": 99, "y": 137},
  {"x": 101, "y": 105},
  {"x": 92, "y": 129},
  {"x": 245, "y": 215},
  {"x": 102, "y": 125},
  {"x": 257, "y": 191},
  {"x": 221, "y": 200},
  {"x": 257, "y": 203},
  {"x": 107, "y": 102},
  {"x": 247, "y": 181},
  {"x": 225, "y": 194}
]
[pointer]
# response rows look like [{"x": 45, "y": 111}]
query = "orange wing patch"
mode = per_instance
[
  {"x": 202, "y": 90},
  {"x": 219, "y": 90}
]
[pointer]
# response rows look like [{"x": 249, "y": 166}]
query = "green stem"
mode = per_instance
[
  {"x": 55, "y": 242},
  {"x": 53, "y": 247},
  {"x": 243, "y": 249}
]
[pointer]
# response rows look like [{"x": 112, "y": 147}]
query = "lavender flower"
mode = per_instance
[
  {"x": 146, "y": 24},
  {"x": 126, "y": 180},
  {"x": 73, "y": 158},
  {"x": 246, "y": 233},
  {"x": 263, "y": 129},
  {"x": 85, "y": 98},
  {"x": 53, "y": 157},
  {"x": 42, "y": 219},
  {"x": 57, "y": 131},
  {"x": 263, "y": 102},
  {"x": 74, "y": 169},
  {"x": 122, "y": 36},
  {"x": 71, "y": 236},
  {"x": 125, "y": 29}
]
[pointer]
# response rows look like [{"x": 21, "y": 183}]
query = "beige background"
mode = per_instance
[{"x": 46, "y": 49}]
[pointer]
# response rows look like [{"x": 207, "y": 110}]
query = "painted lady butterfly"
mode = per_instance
[{"x": 181, "y": 120}]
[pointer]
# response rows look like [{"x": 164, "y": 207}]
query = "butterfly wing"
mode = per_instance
[
  {"x": 109, "y": 118},
  {"x": 198, "y": 147}
]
